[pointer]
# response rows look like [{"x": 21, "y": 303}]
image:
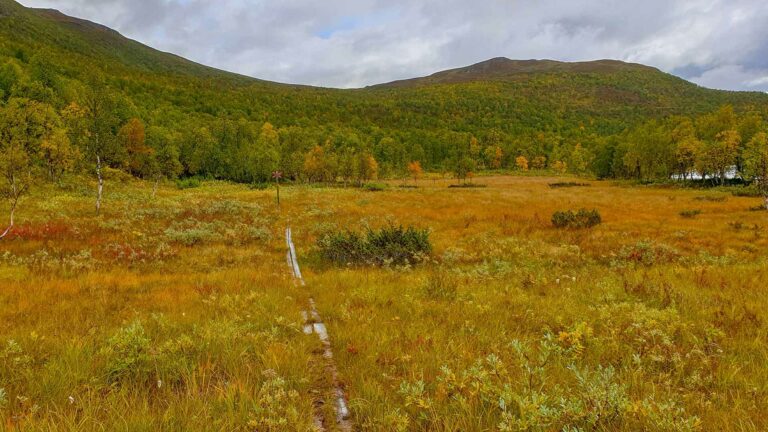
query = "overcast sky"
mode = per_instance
[{"x": 353, "y": 43}]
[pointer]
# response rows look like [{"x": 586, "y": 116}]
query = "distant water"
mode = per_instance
[{"x": 693, "y": 175}]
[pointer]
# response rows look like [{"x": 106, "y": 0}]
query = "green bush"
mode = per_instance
[
  {"x": 258, "y": 186},
  {"x": 467, "y": 185},
  {"x": 711, "y": 198},
  {"x": 188, "y": 183},
  {"x": 690, "y": 214},
  {"x": 582, "y": 218},
  {"x": 374, "y": 187},
  {"x": 568, "y": 184},
  {"x": 747, "y": 191},
  {"x": 392, "y": 245},
  {"x": 128, "y": 354}
]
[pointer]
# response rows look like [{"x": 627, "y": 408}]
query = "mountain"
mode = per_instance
[
  {"x": 80, "y": 39},
  {"x": 533, "y": 107},
  {"x": 502, "y": 68}
]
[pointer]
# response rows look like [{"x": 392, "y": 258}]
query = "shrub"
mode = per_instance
[
  {"x": 711, "y": 198},
  {"x": 188, "y": 183},
  {"x": 191, "y": 235},
  {"x": 582, "y": 218},
  {"x": 467, "y": 185},
  {"x": 747, "y": 191},
  {"x": 690, "y": 214},
  {"x": 374, "y": 187},
  {"x": 128, "y": 354},
  {"x": 568, "y": 184},
  {"x": 648, "y": 253},
  {"x": 258, "y": 186},
  {"x": 391, "y": 245}
]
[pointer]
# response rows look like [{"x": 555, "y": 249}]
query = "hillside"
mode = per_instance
[
  {"x": 502, "y": 68},
  {"x": 531, "y": 107}
]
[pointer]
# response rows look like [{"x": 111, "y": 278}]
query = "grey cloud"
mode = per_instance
[{"x": 352, "y": 43}]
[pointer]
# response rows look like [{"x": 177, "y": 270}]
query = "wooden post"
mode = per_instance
[{"x": 277, "y": 175}]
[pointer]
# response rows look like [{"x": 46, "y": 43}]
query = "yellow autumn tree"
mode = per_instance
[
  {"x": 314, "y": 164},
  {"x": 133, "y": 138},
  {"x": 539, "y": 162},
  {"x": 560, "y": 166},
  {"x": 414, "y": 169},
  {"x": 368, "y": 168},
  {"x": 494, "y": 155},
  {"x": 522, "y": 163}
]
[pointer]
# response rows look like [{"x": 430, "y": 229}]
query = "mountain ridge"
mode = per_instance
[
  {"x": 497, "y": 68},
  {"x": 503, "y": 67}
]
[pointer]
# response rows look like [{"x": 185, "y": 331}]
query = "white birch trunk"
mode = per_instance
[
  {"x": 100, "y": 188},
  {"x": 16, "y": 195}
]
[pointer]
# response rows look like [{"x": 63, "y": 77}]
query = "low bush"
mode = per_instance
[
  {"x": 568, "y": 184},
  {"x": 258, "y": 186},
  {"x": 582, "y": 218},
  {"x": 711, "y": 198},
  {"x": 747, "y": 191},
  {"x": 188, "y": 183},
  {"x": 467, "y": 185},
  {"x": 127, "y": 354},
  {"x": 374, "y": 187},
  {"x": 647, "y": 253},
  {"x": 392, "y": 245},
  {"x": 690, "y": 214}
]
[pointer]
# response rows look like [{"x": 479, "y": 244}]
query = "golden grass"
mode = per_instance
[{"x": 657, "y": 321}]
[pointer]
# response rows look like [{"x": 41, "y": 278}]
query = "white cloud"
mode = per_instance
[{"x": 351, "y": 43}]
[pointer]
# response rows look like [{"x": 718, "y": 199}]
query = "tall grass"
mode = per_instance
[{"x": 648, "y": 321}]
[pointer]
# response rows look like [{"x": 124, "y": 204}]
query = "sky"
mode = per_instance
[{"x": 353, "y": 43}]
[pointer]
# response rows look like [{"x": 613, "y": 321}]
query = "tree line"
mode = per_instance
[{"x": 58, "y": 117}]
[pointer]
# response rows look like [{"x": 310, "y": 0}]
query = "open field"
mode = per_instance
[{"x": 179, "y": 312}]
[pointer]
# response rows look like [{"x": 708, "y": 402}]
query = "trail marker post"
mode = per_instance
[{"x": 277, "y": 175}]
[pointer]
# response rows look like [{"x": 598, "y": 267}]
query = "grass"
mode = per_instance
[{"x": 178, "y": 313}]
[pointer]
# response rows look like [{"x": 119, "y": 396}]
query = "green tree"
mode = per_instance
[
  {"x": 24, "y": 126},
  {"x": 367, "y": 167},
  {"x": 581, "y": 159},
  {"x": 101, "y": 120},
  {"x": 687, "y": 151},
  {"x": 725, "y": 150},
  {"x": 265, "y": 156},
  {"x": 463, "y": 167},
  {"x": 756, "y": 162},
  {"x": 58, "y": 154}
]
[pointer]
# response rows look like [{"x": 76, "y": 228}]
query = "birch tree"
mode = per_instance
[
  {"x": 100, "y": 133},
  {"x": 24, "y": 126},
  {"x": 756, "y": 163}
]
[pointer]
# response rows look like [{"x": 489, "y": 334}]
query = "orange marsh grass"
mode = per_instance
[{"x": 675, "y": 306}]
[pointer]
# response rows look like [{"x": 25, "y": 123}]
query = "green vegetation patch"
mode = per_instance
[
  {"x": 690, "y": 213},
  {"x": 392, "y": 245},
  {"x": 568, "y": 184},
  {"x": 582, "y": 218}
]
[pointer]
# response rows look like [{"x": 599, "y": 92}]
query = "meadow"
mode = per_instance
[{"x": 179, "y": 312}]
